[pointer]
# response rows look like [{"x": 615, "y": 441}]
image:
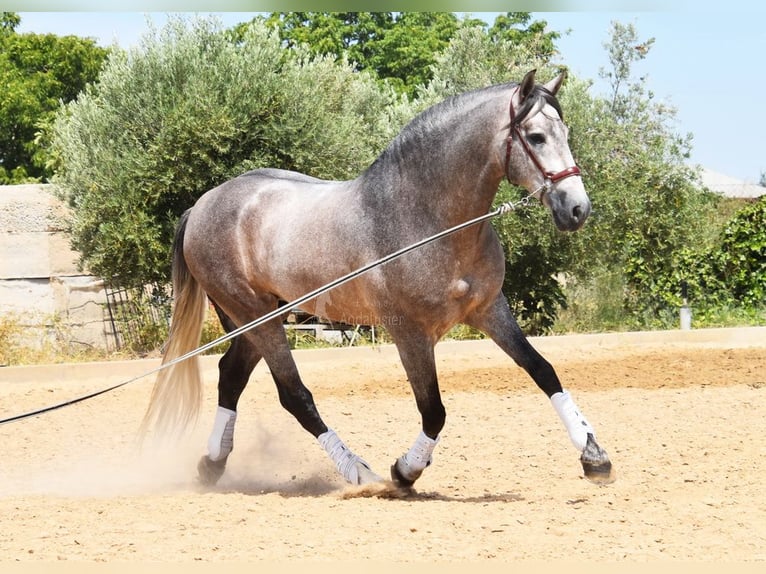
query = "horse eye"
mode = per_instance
[{"x": 536, "y": 139}]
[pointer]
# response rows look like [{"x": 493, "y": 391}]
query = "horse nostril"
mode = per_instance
[{"x": 577, "y": 212}]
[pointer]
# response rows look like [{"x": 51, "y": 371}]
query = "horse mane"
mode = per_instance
[{"x": 438, "y": 117}]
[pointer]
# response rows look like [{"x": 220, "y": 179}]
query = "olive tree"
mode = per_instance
[{"x": 192, "y": 106}]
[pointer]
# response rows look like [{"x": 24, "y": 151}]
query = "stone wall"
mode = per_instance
[{"x": 40, "y": 283}]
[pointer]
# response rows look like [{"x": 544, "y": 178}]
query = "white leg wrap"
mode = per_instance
[
  {"x": 412, "y": 463},
  {"x": 221, "y": 441},
  {"x": 350, "y": 466},
  {"x": 420, "y": 455},
  {"x": 574, "y": 421}
]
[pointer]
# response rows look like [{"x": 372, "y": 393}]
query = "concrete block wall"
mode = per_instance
[{"x": 40, "y": 282}]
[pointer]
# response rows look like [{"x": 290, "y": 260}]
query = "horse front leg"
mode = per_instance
[
  {"x": 498, "y": 322},
  {"x": 417, "y": 356}
]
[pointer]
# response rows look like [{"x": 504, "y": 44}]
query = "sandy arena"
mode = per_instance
[{"x": 681, "y": 414}]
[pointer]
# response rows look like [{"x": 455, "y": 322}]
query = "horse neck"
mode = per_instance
[{"x": 446, "y": 168}]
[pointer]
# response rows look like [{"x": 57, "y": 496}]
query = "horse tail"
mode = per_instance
[{"x": 177, "y": 393}]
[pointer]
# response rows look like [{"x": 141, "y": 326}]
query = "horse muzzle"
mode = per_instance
[{"x": 569, "y": 209}]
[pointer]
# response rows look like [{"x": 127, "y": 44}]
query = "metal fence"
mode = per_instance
[{"x": 139, "y": 317}]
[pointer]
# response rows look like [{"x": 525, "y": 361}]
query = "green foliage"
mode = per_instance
[
  {"x": 647, "y": 202},
  {"x": 519, "y": 29},
  {"x": 462, "y": 332},
  {"x": 190, "y": 108},
  {"x": 537, "y": 256},
  {"x": 8, "y": 22},
  {"x": 400, "y": 47},
  {"x": 37, "y": 72},
  {"x": 624, "y": 49},
  {"x": 594, "y": 304},
  {"x": 740, "y": 263},
  {"x": 728, "y": 273},
  {"x": 474, "y": 59},
  {"x": 597, "y": 303},
  {"x": 396, "y": 47}
]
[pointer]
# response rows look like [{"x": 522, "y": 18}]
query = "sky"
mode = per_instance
[{"x": 706, "y": 62}]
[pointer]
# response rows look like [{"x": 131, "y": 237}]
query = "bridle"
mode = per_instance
[{"x": 549, "y": 177}]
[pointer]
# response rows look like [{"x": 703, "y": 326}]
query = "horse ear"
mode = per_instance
[
  {"x": 554, "y": 85},
  {"x": 525, "y": 88}
]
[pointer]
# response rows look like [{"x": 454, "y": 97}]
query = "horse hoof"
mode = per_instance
[
  {"x": 399, "y": 478},
  {"x": 210, "y": 470},
  {"x": 599, "y": 473},
  {"x": 596, "y": 464}
]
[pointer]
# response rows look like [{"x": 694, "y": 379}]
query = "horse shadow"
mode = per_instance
[{"x": 318, "y": 486}]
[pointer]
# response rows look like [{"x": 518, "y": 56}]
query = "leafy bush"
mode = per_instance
[
  {"x": 647, "y": 203},
  {"x": 740, "y": 263},
  {"x": 191, "y": 107},
  {"x": 724, "y": 277},
  {"x": 730, "y": 273}
]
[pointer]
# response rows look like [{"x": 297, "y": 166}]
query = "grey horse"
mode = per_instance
[{"x": 271, "y": 235}]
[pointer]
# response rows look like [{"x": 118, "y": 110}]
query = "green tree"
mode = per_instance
[
  {"x": 406, "y": 51},
  {"x": 8, "y": 22},
  {"x": 397, "y": 47},
  {"x": 190, "y": 108},
  {"x": 400, "y": 47},
  {"x": 518, "y": 28},
  {"x": 647, "y": 202},
  {"x": 333, "y": 33},
  {"x": 37, "y": 72},
  {"x": 624, "y": 49}
]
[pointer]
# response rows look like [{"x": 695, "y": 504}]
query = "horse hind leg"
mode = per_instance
[
  {"x": 270, "y": 343},
  {"x": 298, "y": 401},
  {"x": 211, "y": 466},
  {"x": 234, "y": 368}
]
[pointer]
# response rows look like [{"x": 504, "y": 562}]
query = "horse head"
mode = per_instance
[{"x": 538, "y": 155}]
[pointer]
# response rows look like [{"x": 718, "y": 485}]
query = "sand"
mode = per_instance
[{"x": 681, "y": 414}]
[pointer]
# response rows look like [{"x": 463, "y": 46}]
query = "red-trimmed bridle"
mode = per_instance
[{"x": 549, "y": 177}]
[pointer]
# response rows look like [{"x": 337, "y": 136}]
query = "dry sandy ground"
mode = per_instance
[{"x": 681, "y": 414}]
